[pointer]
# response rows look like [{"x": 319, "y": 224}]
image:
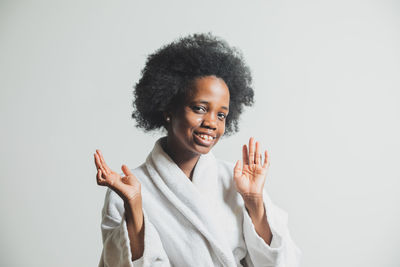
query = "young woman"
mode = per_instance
[{"x": 184, "y": 207}]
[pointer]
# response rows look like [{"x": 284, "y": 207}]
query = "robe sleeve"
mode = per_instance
[
  {"x": 282, "y": 252},
  {"x": 116, "y": 247}
]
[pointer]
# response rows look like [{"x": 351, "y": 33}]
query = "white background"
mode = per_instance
[{"x": 326, "y": 78}]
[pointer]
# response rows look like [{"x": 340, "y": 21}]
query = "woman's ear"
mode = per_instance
[{"x": 167, "y": 117}]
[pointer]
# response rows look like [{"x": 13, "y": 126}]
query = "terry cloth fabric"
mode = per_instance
[{"x": 202, "y": 222}]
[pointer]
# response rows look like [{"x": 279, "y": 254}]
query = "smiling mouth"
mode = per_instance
[{"x": 205, "y": 139}]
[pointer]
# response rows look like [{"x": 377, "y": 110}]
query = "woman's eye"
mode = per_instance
[
  {"x": 222, "y": 116},
  {"x": 199, "y": 109}
]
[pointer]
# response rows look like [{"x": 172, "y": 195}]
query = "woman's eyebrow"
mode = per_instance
[{"x": 205, "y": 102}]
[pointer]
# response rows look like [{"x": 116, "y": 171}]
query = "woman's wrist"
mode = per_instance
[
  {"x": 134, "y": 212},
  {"x": 134, "y": 201},
  {"x": 255, "y": 206}
]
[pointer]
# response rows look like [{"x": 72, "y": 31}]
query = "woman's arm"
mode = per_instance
[
  {"x": 129, "y": 189},
  {"x": 135, "y": 226},
  {"x": 249, "y": 177},
  {"x": 265, "y": 229},
  {"x": 256, "y": 210}
]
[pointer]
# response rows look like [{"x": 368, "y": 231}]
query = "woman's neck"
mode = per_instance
[{"x": 186, "y": 160}]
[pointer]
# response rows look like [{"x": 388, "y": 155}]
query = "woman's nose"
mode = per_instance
[{"x": 210, "y": 121}]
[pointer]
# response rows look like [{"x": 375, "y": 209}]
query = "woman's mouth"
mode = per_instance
[{"x": 204, "y": 139}]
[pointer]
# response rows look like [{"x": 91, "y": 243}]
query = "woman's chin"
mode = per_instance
[{"x": 201, "y": 149}]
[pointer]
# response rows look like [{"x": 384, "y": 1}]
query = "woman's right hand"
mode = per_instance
[{"x": 127, "y": 187}]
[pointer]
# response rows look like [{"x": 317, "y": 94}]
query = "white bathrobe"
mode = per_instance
[{"x": 196, "y": 223}]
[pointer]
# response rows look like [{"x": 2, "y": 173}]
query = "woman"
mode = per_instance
[{"x": 183, "y": 207}]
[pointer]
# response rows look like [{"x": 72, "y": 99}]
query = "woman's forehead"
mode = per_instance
[{"x": 209, "y": 88}]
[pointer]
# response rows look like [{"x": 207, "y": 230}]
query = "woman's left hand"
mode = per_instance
[
  {"x": 250, "y": 175},
  {"x": 249, "y": 179}
]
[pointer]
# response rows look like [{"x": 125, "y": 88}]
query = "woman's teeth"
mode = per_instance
[{"x": 206, "y": 137}]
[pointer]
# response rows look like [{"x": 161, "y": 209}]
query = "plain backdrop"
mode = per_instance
[{"x": 326, "y": 80}]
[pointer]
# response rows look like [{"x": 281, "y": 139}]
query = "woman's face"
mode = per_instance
[{"x": 197, "y": 126}]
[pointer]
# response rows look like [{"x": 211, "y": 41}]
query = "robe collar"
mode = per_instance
[{"x": 192, "y": 198}]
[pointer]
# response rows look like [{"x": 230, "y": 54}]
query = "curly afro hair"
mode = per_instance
[{"x": 169, "y": 72}]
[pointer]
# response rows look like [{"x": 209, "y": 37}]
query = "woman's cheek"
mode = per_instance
[
  {"x": 222, "y": 126},
  {"x": 199, "y": 120}
]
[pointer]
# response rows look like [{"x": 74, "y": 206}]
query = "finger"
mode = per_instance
[
  {"x": 245, "y": 155},
  {"x": 98, "y": 158},
  {"x": 126, "y": 170},
  {"x": 96, "y": 162},
  {"x": 100, "y": 165},
  {"x": 258, "y": 154},
  {"x": 266, "y": 159},
  {"x": 100, "y": 180},
  {"x": 103, "y": 162},
  {"x": 251, "y": 151}
]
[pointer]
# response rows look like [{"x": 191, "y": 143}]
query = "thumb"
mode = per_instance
[
  {"x": 237, "y": 171},
  {"x": 126, "y": 170},
  {"x": 129, "y": 179}
]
